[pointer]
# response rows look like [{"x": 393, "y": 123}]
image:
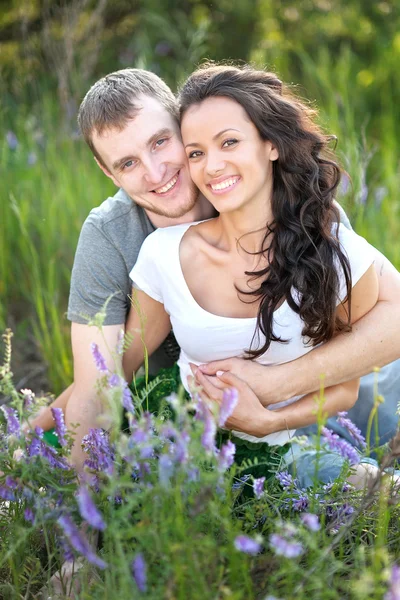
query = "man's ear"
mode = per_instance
[{"x": 106, "y": 172}]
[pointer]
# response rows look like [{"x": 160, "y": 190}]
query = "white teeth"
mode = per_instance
[
  {"x": 167, "y": 186},
  {"x": 224, "y": 184}
]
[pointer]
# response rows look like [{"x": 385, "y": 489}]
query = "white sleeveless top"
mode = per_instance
[{"x": 204, "y": 336}]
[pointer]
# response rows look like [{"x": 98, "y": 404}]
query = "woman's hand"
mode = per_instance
[
  {"x": 249, "y": 414},
  {"x": 267, "y": 382}
]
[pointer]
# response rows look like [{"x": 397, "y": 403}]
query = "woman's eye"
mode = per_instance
[
  {"x": 195, "y": 154},
  {"x": 230, "y": 142}
]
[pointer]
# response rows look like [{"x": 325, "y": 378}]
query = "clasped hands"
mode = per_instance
[{"x": 250, "y": 415}]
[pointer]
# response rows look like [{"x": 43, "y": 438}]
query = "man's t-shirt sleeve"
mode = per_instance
[{"x": 99, "y": 271}]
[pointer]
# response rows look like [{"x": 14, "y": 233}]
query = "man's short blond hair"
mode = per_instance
[{"x": 113, "y": 100}]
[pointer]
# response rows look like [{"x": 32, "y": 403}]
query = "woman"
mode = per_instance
[{"x": 274, "y": 274}]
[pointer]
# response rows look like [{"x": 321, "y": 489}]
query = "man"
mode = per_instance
[{"x": 130, "y": 121}]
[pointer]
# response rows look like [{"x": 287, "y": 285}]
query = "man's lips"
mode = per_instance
[{"x": 168, "y": 186}]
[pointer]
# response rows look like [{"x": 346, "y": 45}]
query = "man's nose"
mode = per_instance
[{"x": 154, "y": 172}]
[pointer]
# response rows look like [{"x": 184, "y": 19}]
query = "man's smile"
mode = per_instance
[{"x": 168, "y": 186}]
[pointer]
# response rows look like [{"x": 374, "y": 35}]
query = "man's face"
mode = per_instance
[{"x": 148, "y": 161}]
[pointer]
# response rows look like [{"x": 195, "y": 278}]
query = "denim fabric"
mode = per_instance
[{"x": 388, "y": 383}]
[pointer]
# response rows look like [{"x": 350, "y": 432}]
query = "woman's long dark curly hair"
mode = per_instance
[{"x": 302, "y": 249}]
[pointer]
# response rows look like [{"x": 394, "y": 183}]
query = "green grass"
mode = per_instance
[{"x": 44, "y": 204}]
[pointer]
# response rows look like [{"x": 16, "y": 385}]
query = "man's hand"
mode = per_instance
[{"x": 249, "y": 415}]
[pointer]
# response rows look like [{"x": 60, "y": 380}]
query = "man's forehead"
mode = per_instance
[{"x": 148, "y": 118}]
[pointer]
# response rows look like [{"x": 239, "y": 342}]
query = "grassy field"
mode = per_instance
[
  {"x": 50, "y": 182},
  {"x": 182, "y": 519}
]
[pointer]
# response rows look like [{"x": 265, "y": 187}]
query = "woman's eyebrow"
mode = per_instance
[{"x": 215, "y": 137}]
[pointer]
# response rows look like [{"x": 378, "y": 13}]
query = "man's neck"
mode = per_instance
[{"x": 201, "y": 211}]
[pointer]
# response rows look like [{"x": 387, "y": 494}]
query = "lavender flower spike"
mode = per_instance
[
  {"x": 248, "y": 545},
  {"x": 13, "y": 424},
  {"x": 61, "y": 430},
  {"x": 226, "y": 456},
  {"x": 139, "y": 572},
  {"x": 341, "y": 446},
  {"x": 394, "y": 590},
  {"x": 258, "y": 487},
  {"x": 353, "y": 430},
  {"x": 99, "y": 359},
  {"x": 311, "y": 521},
  {"x": 79, "y": 542},
  {"x": 88, "y": 509},
  {"x": 230, "y": 399},
  {"x": 283, "y": 547}
]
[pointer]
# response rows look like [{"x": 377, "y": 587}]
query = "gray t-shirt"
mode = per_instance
[{"x": 108, "y": 247}]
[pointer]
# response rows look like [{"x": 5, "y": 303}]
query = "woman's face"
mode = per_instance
[{"x": 228, "y": 161}]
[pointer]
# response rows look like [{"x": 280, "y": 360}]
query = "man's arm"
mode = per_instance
[
  {"x": 149, "y": 329},
  {"x": 373, "y": 342}
]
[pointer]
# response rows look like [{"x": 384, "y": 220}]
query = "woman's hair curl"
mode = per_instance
[{"x": 301, "y": 244}]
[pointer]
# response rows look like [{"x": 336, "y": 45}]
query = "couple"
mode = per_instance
[{"x": 272, "y": 276}]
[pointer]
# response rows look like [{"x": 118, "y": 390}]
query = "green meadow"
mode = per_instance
[{"x": 176, "y": 531}]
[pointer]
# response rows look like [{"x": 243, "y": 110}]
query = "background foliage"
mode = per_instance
[{"x": 342, "y": 54}]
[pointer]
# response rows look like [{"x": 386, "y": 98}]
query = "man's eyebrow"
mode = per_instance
[
  {"x": 120, "y": 162},
  {"x": 159, "y": 134},
  {"x": 215, "y": 137}
]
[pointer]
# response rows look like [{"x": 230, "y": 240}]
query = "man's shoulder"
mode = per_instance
[{"x": 119, "y": 211}]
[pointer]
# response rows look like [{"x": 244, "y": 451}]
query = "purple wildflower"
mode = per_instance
[
  {"x": 239, "y": 483},
  {"x": 339, "y": 445},
  {"x": 208, "y": 436},
  {"x": 166, "y": 470},
  {"x": 11, "y": 483},
  {"x": 193, "y": 475},
  {"x": 284, "y": 478},
  {"x": 299, "y": 500},
  {"x": 66, "y": 550},
  {"x": 28, "y": 398},
  {"x": 32, "y": 159},
  {"x": 97, "y": 446},
  {"x": 34, "y": 448},
  {"x": 51, "y": 455},
  {"x": 394, "y": 591},
  {"x": 258, "y": 487},
  {"x": 139, "y": 572},
  {"x": 230, "y": 399},
  {"x": 115, "y": 380},
  {"x": 311, "y": 521},
  {"x": 284, "y": 547},
  {"x": 99, "y": 359},
  {"x": 29, "y": 515},
  {"x": 353, "y": 430},
  {"x": 226, "y": 456},
  {"x": 13, "y": 424},
  {"x": 61, "y": 430},
  {"x": 6, "y": 493},
  {"x": 12, "y": 140},
  {"x": 79, "y": 542},
  {"x": 88, "y": 509},
  {"x": 248, "y": 545}
]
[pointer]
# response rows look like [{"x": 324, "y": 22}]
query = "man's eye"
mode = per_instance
[
  {"x": 230, "y": 142},
  {"x": 160, "y": 142},
  {"x": 195, "y": 154},
  {"x": 128, "y": 164}
]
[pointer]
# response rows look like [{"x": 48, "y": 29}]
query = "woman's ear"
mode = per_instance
[{"x": 273, "y": 153}]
